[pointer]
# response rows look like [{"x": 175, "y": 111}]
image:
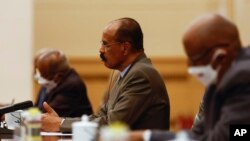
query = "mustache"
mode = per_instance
[{"x": 103, "y": 58}]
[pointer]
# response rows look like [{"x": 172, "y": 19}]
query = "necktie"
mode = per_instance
[{"x": 42, "y": 95}]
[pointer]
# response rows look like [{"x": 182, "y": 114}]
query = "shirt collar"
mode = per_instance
[{"x": 125, "y": 71}]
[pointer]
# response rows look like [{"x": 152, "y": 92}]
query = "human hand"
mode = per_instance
[
  {"x": 135, "y": 135},
  {"x": 50, "y": 120}
]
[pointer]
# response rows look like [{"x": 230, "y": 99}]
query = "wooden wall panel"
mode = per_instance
[{"x": 75, "y": 26}]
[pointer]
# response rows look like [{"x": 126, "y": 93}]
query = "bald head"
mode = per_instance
[
  {"x": 51, "y": 62},
  {"x": 212, "y": 40},
  {"x": 213, "y": 24},
  {"x": 210, "y": 32}
]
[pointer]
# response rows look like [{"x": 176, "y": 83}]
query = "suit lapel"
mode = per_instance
[
  {"x": 114, "y": 93},
  {"x": 116, "y": 89}
]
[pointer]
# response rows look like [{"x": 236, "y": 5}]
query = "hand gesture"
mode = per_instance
[{"x": 50, "y": 120}]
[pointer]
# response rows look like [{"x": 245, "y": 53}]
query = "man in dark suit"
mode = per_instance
[
  {"x": 217, "y": 59},
  {"x": 61, "y": 86},
  {"x": 138, "y": 96}
]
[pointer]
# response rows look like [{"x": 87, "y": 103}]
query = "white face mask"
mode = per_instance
[
  {"x": 49, "y": 84},
  {"x": 206, "y": 74}
]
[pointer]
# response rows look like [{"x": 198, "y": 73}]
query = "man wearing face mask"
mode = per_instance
[
  {"x": 61, "y": 86},
  {"x": 216, "y": 58}
]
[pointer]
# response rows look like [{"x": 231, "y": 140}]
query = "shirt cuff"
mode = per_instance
[
  {"x": 146, "y": 135},
  {"x": 62, "y": 121}
]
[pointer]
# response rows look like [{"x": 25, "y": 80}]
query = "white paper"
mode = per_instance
[{"x": 55, "y": 134}]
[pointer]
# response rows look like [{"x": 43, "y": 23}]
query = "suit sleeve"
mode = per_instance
[
  {"x": 158, "y": 135},
  {"x": 134, "y": 98},
  {"x": 234, "y": 111},
  {"x": 100, "y": 117}
]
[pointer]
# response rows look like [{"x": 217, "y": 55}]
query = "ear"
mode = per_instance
[
  {"x": 219, "y": 58},
  {"x": 126, "y": 47}
]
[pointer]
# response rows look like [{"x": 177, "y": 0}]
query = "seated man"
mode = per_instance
[
  {"x": 217, "y": 59},
  {"x": 138, "y": 96},
  {"x": 61, "y": 86}
]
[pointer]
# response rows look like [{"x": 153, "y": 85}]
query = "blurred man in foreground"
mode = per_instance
[
  {"x": 138, "y": 96},
  {"x": 61, "y": 86},
  {"x": 217, "y": 59}
]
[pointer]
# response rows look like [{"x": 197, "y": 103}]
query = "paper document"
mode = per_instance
[{"x": 55, "y": 134}]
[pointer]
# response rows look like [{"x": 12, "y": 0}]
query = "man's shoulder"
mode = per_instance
[
  {"x": 144, "y": 67},
  {"x": 239, "y": 72},
  {"x": 72, "y": 79},
  {"x": 241, "y": 64},
  {"x": 73, "y": 76}
]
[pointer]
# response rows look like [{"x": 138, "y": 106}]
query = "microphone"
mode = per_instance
[{"x": 14, "y": 107}]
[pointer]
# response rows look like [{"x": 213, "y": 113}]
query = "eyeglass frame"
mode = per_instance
[{"x": 109, "y": 44}]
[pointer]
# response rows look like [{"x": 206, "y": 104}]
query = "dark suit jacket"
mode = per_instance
[
  {"x": 69, "y": 98},
  {"x": 225, "y": 104},
  {"x": 139, "y": 99}
]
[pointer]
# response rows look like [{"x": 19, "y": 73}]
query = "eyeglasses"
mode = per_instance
[
  {"x": 206, "y": 52},
  {"x": 107, "y": 45}
]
